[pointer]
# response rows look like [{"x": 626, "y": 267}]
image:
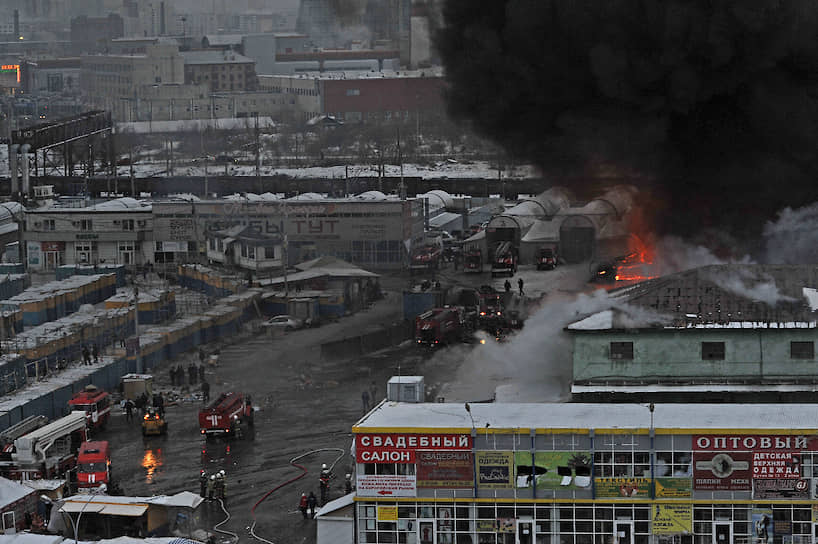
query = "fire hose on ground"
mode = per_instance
[
  {"x": 225, "y": 520},
  {"x": 304, "y": 472}
]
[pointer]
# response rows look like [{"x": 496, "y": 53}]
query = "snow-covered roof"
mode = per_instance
[
  {"x": 491, "y": 417},
  {"x": 335, "y": 505},
  {"x": 443, "y": 219},
  {"x": 11, "y": 492}
]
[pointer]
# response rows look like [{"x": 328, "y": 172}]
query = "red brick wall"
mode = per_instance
[{"x": 383, "y": 94}]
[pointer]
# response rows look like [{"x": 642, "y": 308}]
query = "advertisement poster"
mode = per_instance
[
  {"x": 763, "y": 529},
  {"x": 670, "y": 519},
  {"x": 494, "y": 469},
  {"x": 486, "y": 525},
  {"x": 726, "y": 471},
  {"x": 553, "y": 469},
  {"x": 506, "y": 525},
  {"x": 780, "y": 489},
  {"x": 622, "y": 487},
  {"x": 387, "y": 513},
  {"x": 674, "y": 488},
  {"x": 776, "y": 465},
  {"x": 382, "y": 485},
  {"x": 451, "y": 469}
]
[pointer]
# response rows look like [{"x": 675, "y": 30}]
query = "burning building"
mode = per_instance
[
  {"x": 731, "y": 333},
  {"x": 597, "y": 231}
]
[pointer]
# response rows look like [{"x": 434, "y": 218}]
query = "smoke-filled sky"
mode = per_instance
[{"x": 711, "y": 107}]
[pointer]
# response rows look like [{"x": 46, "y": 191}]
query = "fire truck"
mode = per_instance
[
  {"x": 46, "y": 452},
  {"x": 505, "y": 260},
  {"x": 17, "y": 430},
  {"x": 473, "y": 261},
  {"x": 226, "y": 415},
  {"x": 443, "y": 326},
  {"x": 96, "y": 404},
  {"x": 425, "y": 258},
  {"x": 93, "y": 464},
  {"x": 547, "y": 258}
]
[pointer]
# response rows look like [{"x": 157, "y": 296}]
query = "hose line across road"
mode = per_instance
[{"x": 304, "y": 472}]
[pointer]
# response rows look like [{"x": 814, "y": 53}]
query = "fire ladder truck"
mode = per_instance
[{"x": 47, "y": 452}]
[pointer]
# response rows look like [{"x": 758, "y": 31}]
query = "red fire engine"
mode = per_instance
[
  {"x": 93, "y": 464},
  {"x": 426, "y": 258},
  {"x": 473, "y": 261},
  {"x": 226, "y": 415},
  {"x": 505, "y": 260},
  {"x": 442, "y": 326},
  {"x": 96, "y": 404}
]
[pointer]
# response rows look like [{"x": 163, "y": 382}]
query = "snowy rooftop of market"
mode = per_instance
[
  {"x": 37, "y": 389},
  {"x": 487, "y": 417},
  {"x": 47, "y": 290}
]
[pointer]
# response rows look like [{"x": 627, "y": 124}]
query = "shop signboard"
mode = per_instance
[
  {"x": 386, "y": 486},
  {"x": 763, "y": 529},
  {"x": 674, "y": 488},
  {"x": 780, "y": 489},
  {"x": 672, "y": 519},
  {"x": 741, "y": 442},
  {"x": 727, "y": 471},
  {"x": 451, "y": 469},
  {"x": 387, "y": 513},
  {"x": 401, "y": 447},
  {"x": 494, "y": 469},
  {"x": 777, "y": 465},
  {"x": 553, "y": 469},
  {"x": 638, "y": 488}
]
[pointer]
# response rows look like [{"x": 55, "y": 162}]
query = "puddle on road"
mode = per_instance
[{"x": 152, "y": 462}]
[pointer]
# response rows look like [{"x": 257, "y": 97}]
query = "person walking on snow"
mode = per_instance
[
  {"x": 302, "y": 505},
  {"x": 95, "y": 351},
  {"x": 365, "y": 400},
  {"x": 507, "y": 285},
  {"x": 86, "y": 355},
  {"x": 520, "y": 285}
]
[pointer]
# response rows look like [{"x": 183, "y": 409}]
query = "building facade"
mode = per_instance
[
  {"x": 220, "y": 70},
  {"x": 114, "y": 232},
  {"x": 586, "y": 474},
  {"x": 371, "y": 234}
]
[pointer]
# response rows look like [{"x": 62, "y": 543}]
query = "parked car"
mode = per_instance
[{"x": 286, "y": 322}]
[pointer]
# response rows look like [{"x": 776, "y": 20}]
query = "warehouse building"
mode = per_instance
[{"x": 584, "y": 473}]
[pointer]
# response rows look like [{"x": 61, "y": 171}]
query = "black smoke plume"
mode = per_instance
[{"x": 710, "y": 106}]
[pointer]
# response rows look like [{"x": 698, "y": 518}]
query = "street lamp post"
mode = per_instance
[{"x": 75, "y": 526}]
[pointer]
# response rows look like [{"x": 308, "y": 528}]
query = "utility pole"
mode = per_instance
[
  {"x": 258, "y": 158},
  {"x": 130, "y": 166},
  {"x": 401, "y": 189},
  {"x": 139, "y": 368}
]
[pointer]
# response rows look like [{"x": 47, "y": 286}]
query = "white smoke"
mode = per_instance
[
  {"x": 793, "y": 237},
  {"x": 676, "y": 255},
  {"x": 536, "y": 364},
  {"x": 748, "y": 284}
]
